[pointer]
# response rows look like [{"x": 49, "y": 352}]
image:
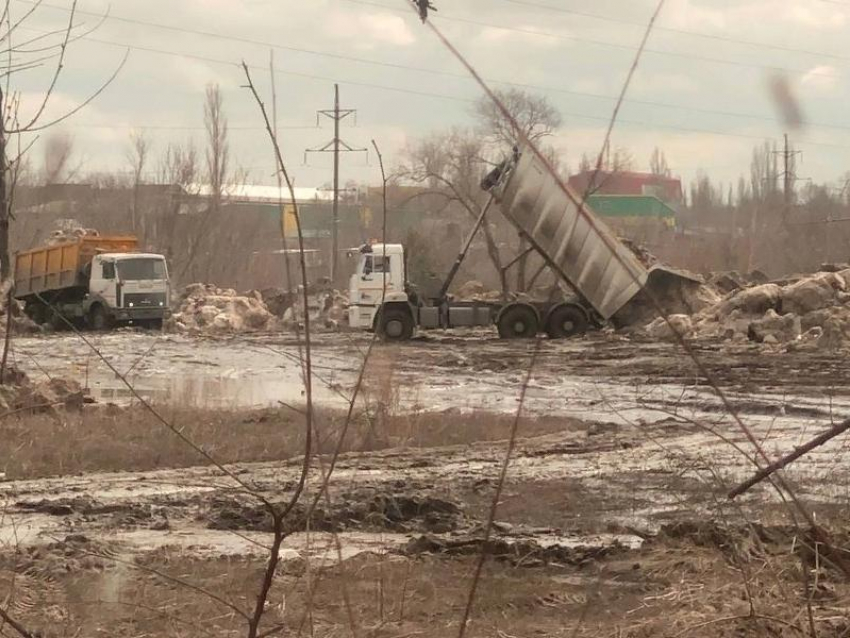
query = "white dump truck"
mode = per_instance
[
  {"x": 95, "y": 281},
  {"x": 605, "y": 279}
]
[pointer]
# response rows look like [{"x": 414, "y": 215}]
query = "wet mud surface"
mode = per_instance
[
  {"x": 643, "y": 467},
  {"x": 591, "y": 378}
]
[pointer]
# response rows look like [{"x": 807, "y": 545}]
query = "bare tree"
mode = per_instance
[
  {"x": 179, "y": 171},
  {"x": 451, "y": 166},
  {"x": 217, "y": 157},
  {"x": 533, "y": 117},
  {"x": 19, "y": 55},
  {"x": 658, "y": 163},
  {"x": 137, "y": 157},
  {"x": 218, "y": 148},
  {"x": 621, "y": 161}
]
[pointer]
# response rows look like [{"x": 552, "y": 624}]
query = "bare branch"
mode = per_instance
[
  {"x": 147, "y": 405},
  {"x": 59, "y": 65},
  {"x": 763, "y": 473},
  {"x": 40, "y": 127},
  {"x": 497, "y": 494},
  {"x": 14, "y": 26},
  {"x": 15, "y": 624},
  {"x": 278, "y": 517}
]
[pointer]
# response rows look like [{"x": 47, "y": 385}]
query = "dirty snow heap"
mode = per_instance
[{"x": 811, "y": 309}]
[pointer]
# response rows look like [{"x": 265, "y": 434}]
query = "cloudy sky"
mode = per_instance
[{"x": 701, "y": 92}]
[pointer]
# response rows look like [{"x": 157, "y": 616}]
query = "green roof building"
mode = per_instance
[{"x": 640, "y": 206}]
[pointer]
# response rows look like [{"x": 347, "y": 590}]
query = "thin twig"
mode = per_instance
[
  {"x": 497, "y": 495},
  {"x": 10, "y": 297},
  {"x": 763, "y": 473},
  {"x": 91, "y": 98},
  {"x": 680, "y": 339},
  {"x": 714, "y": 621},
  {"x": 147, "y": 405},
  {"x": 15, "y": 624},
  {"x": 278, "y": 517},
  {"x": 169, "y": 578}
]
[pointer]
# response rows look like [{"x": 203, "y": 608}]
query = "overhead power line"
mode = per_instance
[
  {"x": 454, "y": 18},
  {"x": 443, "y": 96},
  {"x": 451, "y": 18},
  {"x": 168, "y": 127},
  {"x": 698, "y": 34},
  {"x": 438, "y": 72},
  {"x": 528, "y": 3},
  {"x": 611, "y": 45}
]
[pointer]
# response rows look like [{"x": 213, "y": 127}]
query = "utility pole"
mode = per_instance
[
  {"x": 335, "y": 146},
  {"x": 789, "y": 176}
]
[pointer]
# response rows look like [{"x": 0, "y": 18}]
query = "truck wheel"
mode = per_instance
[
  {"x": 518, "y": 322},
  {"x": 566, "y": 321},
  {"x": 36, "y": 311},
  {"x": 55, "y": 321},
  {"x": 395, "y": 325},
  {"x": 99, "y": 319}
]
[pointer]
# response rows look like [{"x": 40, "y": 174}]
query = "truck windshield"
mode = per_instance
[{"x": 141, "y": 268}]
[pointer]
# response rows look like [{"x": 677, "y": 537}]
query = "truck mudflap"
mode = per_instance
[{"x": 674, "y": 290}]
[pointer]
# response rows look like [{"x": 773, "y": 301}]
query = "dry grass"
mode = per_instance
[
  {"x": 670, "y": 588},
  {"x": 112, "y": 439}
]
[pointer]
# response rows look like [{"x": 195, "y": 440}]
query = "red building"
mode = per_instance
[{"x": 667, "y": 189}]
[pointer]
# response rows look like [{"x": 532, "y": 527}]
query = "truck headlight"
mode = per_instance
[
  {"x": 161, "y": 304},
  {"x": 130, "y": 304}
]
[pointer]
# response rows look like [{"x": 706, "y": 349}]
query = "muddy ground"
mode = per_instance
[{"x": 614, "y": 519}]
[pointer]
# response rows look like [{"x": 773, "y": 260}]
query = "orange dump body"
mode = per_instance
[{"x": 51, "y": 268}]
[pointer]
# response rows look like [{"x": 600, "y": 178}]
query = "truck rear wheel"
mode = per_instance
[
  {"x": 566, "y": 321},
  {"x": 99, "y": 318},
  {"x": 36, "y": 311},
  {"x": 394, "y": 324},
  {"x": 518, "y": 322}
]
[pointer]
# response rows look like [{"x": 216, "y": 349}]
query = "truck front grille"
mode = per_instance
[{"x": 143, "y": 299}]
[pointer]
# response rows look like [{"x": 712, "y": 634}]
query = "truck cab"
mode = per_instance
[
  {"x": 382, "y": 300},
  {"x": 127, "y": 287},
  {"x": 379, "y": 278}
]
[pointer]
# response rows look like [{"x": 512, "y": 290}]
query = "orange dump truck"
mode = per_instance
[{"x": 97, "y": 281}]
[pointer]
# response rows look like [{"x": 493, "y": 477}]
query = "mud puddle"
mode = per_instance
[
  {"x": 595, "y": 379},
  {"x": 200, "y": 542}
]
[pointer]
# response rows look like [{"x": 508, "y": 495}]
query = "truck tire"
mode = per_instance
[
  {"x": 395, "y": 324},
  {"x": 55, "y": 321},
  {"x": 566, "y": 321},
  {"x": 99, "y": 319},
  {"x": 36, "y": 311},
  {"x": 518, "y": 321}
]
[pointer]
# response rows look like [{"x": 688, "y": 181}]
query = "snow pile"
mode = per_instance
[
  {"x": 69, "y": 230},
  {"x": 807, "y": 311},
  {"x": 204, "y": 308},
  {"x": 21, "y": 323},
  {"x": 20, "y": 393},
  {"x": 207, "y": 309},
  {"x": 474, "y": 290},
  {"x": 328, "y": 309},
  {"x": 334, "y": 309}
]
